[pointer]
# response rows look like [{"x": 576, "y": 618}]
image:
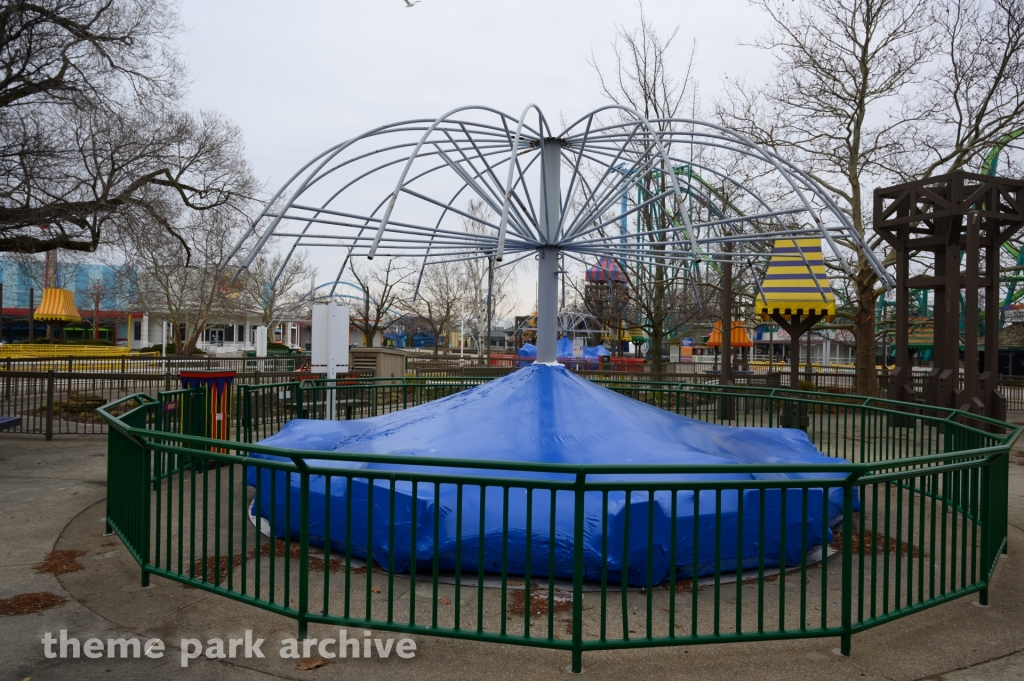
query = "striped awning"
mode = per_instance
[
  {"x": 58, "y": 306},
  {"x": 795, "y": 282},
  {"x": 604, "y": 270},
  {"x": 739, "y": 338}
]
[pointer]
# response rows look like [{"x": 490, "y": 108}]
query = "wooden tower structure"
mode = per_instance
[{"x": 962, "y": 219}]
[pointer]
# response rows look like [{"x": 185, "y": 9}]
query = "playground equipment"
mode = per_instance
[
  {"x": 516, "y": 167},
  {"x": 953, "y": 216},
  {"x": 796, "y": 294},
  {"x": 58, "y": 307},
  {"x": 547, "y": 196},
  {"x": 738, "y": 339}
]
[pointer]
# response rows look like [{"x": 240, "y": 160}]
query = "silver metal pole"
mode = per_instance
[
  {"x": 490, "y": 311},
  {"x": 547, "y": 264},
  {"x": 547, "y": 305}
]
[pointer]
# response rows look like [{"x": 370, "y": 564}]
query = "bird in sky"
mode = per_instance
[{"x": 410, "y": 4}]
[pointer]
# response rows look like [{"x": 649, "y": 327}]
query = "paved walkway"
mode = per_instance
[{"x": 51, "y": 497}]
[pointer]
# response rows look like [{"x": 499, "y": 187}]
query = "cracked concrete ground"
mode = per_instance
[{"x": 51, "y": 497}]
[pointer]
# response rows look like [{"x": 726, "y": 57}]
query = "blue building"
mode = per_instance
[{"x": 91, "y": 283}]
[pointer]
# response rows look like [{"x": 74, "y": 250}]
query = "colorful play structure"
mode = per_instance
[
  {"x": 739, "y": 339},
  {"x": 796, "y": 293}
]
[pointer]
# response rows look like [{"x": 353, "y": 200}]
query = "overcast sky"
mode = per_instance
[{"x": 298, "y": 77}]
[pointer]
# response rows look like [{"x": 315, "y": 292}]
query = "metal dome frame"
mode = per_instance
[{"x": 400, "y": 190}]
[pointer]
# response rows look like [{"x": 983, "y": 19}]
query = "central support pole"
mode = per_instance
[
  {"x": 548, "y": 257},
  {"x": 547, "y": 305}
]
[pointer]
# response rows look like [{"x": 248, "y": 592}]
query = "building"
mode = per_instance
[
  {"x": 105, "y": 312},
  {"x": 829, "y": 347}
]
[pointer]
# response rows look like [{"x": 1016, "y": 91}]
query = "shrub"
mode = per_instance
[
  {"x": 170, "y": 349},
  {"x": 90, "y": 341}
]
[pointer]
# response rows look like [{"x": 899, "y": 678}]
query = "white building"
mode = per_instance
[{"x": 228, "y": 335}]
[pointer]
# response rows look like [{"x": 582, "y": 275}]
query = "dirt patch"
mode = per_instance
[
  {"x": 316, "y": 563},
  {"x": 872, "y": 542},
  {"x": 80, "y": 407},
  {"x": 216, "y": 568},
  {"x": 61, "y": 562},
  {"x": 562, "y": 602},
  {"x": 26, "y": 604}
]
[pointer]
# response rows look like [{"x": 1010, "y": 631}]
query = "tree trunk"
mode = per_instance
[
  {"x": 864, "y": 332},
  {"x": 657, "y": 341}
]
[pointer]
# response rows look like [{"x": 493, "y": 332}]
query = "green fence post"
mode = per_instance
[
  {"x": 1002, "y": 494},
  {"x": 577, "y": 573},
  {"x": 304, "y": 549},
  {"x": 247, "y": 406},
  {"x": 847, "y": 595},
  {"x": 863, "y": 431},
  {"x": 143, "y": 492}
]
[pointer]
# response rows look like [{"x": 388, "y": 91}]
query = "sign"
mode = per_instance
[
  {"x": 686, "y": 350},
  {"x": 261, "y": 341},
  {"x": 330, "y": 340},
  {"x": 577, "y": 347}
]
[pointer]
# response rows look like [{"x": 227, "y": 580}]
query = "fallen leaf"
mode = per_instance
[
  {"x": 444, "y": 601},
  {"x": 375, "y": 590},
  {"x": 311, "y": 663},
  {"x": 29, "y": 603},
  {"x": 61, "y": 562}
]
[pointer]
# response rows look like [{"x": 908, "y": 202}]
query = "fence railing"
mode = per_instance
[
  {"x": 62, "y": 403},
  {"x": 153, "y": 364},
  {"x": 263, "y": 409},
  {"x": 923, "y": 497}
]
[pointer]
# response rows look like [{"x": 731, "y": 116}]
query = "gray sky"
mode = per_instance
[{"x": 301, "y": 76}]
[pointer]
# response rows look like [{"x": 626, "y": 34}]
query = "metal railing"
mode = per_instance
[
  {"x": 153, "y": 364},
  {"x": 924, "y": 516},
  {"x": 64, "y": 403}
]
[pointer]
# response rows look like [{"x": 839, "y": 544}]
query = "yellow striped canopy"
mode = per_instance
[
  {"x": 58, "y": 306},
  {"x": 795, "y": 282}
]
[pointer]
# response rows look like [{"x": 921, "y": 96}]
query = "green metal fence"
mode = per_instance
[{"x": 931, "y": 484}]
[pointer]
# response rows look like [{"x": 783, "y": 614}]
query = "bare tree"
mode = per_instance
[
  {"x": 868, "y": 92},
  {"x": 488, "y": 287},
  {"x": 181, "y": 289},
  {"x": 642, "y": 80},
  {"x": 271, "y": 290},
  {"x": 91, "y": 124},
  {"x": 441, "y": 291},
  {"x": 383, "y": 297}
]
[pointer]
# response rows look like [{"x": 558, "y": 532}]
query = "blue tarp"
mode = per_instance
[{"x": 544, "y": 413}]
